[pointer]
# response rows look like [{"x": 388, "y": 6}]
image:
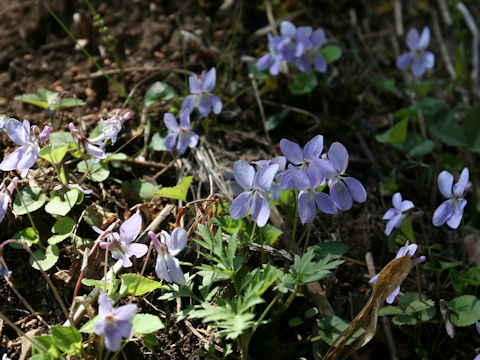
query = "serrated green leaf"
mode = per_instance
[
  {"x": 270, "y": 234},
  {"x": 46, "y": 342},
  {"x": 331, "y": 53},
  {"x": 33, "y": 199},
  {"x": 129, "y": 282},
  {"x": 98, "y": 171},
  {"x": 334, "y": 249},
  {"x": 464, "y": 310},
  {"x": 178, "y": 192},
  {"x": 54, "y": 154},
  {"x": 90, "y": 326},
  {"x": 61, "y": 207},
  {"x": 158, "y": 91},
  {"x": 390, "y": 310},
  {"x": 303, "y": 83},
  {"x": 46, "y": 260},
  {"x": 146, "y": 324},
  {"x": 63, "y": 228},
  {"x": 67, "y": 339},
  {"x": 397, "y": 134},
  {"x": 404, "y": 320}
]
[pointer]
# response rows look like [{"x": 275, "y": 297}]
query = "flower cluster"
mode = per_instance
[
  {"x": 96, "y": 146},
  {"x": 181, "y": 136},
  {"x": 419, "y": 59},
  {"x": 294, "y": 45},
  {"x": 308, "y": 170}
]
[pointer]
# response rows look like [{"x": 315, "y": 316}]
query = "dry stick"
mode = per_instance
[
  {"x": 93, "y": 295},
  {"x": 44, "y": 274},
  {"x": 297, "y": 110},
  {"x": 260, "y": 107},
  {"x": 475, "y": 41},
  {"x": 443, "y": 48},
  {"x": 386, "y": 324},
  {"x": 442, "y": 5},
  {"x": 398, "y": 17}
]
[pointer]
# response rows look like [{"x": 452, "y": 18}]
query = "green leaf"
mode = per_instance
[
  {"x": 270, "y": 234},
  {"x": 397, "y": 134},
  {"x": 90, "y": 326},
  {"x": 228, "y": 224},
  {"x": 158, "y": 142},
  {"x": 464, "y": 310},
  {"x": 178, "y": 192},
  {"x": 46, "y": 260},
  {"x": 303, "y": 84},
  {"x": 69, "y": 102},
  {"x": 92, "y": 282},
  {"x": 330, "y": 327},
  {"x": 33, "y": 99},
  {"x": 472, "y": 127},
  {"x": 67, "y": 339},
  {"x": 150, "y": 341},
  {"x": 60, "y": 138},
  {"x": 423, "y": 148},
  {"x": 381, "y": 82},
  {"x": 60, "y": 207},
  {"x": 295, "y": 321},
  {"x": 449, "y": 133},
  {"x": 138, "y": 189},
  {"x": 334, "y": 249},
  {"x": 46, "y": 342},
  {"x": 63, "y": 228},
  {"x": 423, "y": 88},
  {"x": 273, "y": 121},
  {"x": 390, "y": 310},
  {"x": 28, "y": 236},
  {"x": 311, "y": 312},
  {"x": 407, "y": 229},
  {"x": 305, "y": 269},
  {"x": 331, "y": 53},
  {"x": 129, "y": 281},
  {"x": 158, "y": 91},
  {"x": 98, "y": 171},
  {"x": 146, "y": 324},
  {"x": 54, "y": 154},
  {"x": 257, "y": 74},
  {"x": 33, "y": 199}
]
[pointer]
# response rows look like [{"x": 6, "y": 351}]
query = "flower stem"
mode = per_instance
[{"x": 295, "y": 222}]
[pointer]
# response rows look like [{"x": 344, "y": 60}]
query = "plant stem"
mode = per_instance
[{"x": 295, "y": 222}]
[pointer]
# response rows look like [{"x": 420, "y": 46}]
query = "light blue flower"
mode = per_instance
[
  {"x": 396, "y": 214},
  {"x": 417, "y": 57}
]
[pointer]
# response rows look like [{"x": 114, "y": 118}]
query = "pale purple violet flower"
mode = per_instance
[
  {"x": 115, "y": 324},
  {"x": 4, "y": 357},
  {"x": 451, "y": 210},
  {"x": 295, "y": 40},
  {"x": 98, "y": 152},
  {"x": 4, "y": 271},
  {"x": 111, "y": 129},
  {"x": 309, "y": 199},
  {"x": 417, "y": 57},
  {"x": 121, "y": 244},
  {"x": 5, "y": 193},
  {"x": 24, "y": 157},
  {"x": 313, "y": 43},
  {"x": 343, "y": 189},
  {"x": 404, "y": 250},
  {"x": 274, "y": 58},
  {"x": 293, "y": 152},
  {"x": 201, "y": 88},
  {"x": 275, "y": 188},
  {"x": 255, "y": 195},
  {"x": 396, "y": 214},
  {"x": 181, "y": 135},
  {"x": 168, "y": 266}
]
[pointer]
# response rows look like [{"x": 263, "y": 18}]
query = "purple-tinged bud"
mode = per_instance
[
  {"x": 13, "y": 184},
  {"x": 44, "y": 134}
]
